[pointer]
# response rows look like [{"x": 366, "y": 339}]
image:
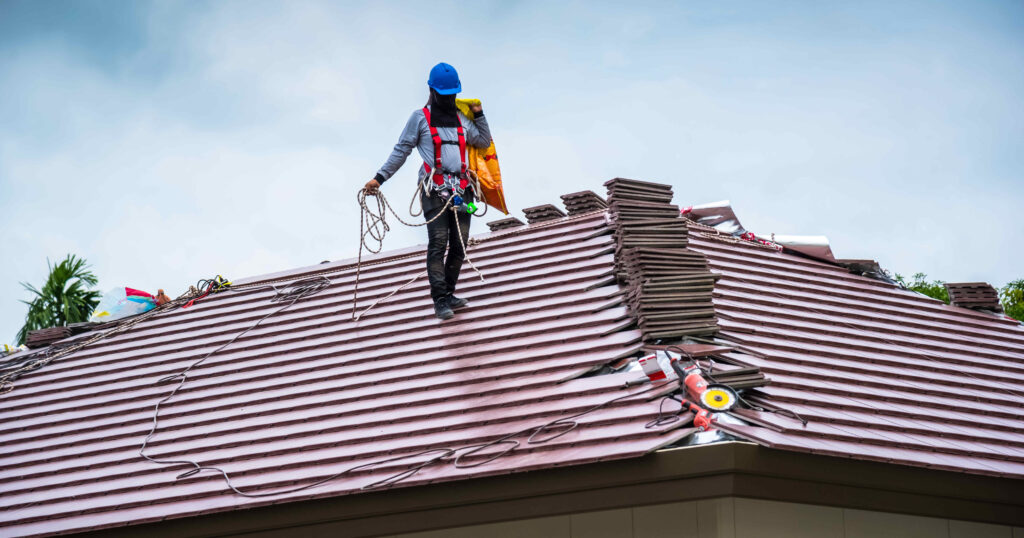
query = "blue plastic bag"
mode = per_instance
[{"x": 121, "y": 303}]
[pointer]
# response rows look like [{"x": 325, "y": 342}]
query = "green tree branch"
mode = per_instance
[{"x": 64, "y": 298}]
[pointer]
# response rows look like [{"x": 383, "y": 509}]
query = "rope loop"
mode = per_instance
[{"x": 373, "y": 227}]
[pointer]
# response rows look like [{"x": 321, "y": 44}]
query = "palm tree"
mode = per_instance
[{"x": 63, "y": 299}]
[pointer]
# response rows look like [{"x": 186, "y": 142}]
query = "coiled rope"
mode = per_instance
[{"x": 373, "y": 227}]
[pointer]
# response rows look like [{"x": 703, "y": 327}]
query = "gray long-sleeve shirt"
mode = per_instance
[{"x": 417, "y": 135}]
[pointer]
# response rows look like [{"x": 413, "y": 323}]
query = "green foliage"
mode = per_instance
[
  {"x": 1012, "y": 296},
  {"x": 935, "y": 289},
  {"x": 63, "y": 299}
]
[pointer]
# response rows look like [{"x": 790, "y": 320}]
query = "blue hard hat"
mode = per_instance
[{"x": 444, "y": 79}]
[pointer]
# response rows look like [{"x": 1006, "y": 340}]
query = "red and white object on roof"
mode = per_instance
[{"x": 652, "y": 369}]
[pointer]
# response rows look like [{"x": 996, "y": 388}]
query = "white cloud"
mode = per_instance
[{"x": 234, "y": 138}]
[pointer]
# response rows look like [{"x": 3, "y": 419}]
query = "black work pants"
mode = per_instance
[{"x": 443, "y": 273}]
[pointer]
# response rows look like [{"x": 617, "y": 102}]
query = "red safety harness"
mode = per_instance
[{"x": 438, "y": 170}]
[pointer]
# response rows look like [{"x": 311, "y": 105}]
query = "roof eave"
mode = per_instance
[{"x": 672, "y": 475}]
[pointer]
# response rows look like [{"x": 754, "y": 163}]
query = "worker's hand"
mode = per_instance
[
  {"x": 371, "y": 186},
  {"x": 476, "y": 108}
]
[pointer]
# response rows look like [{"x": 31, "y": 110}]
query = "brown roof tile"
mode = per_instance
[
  {"x": 542, "y": 213},
  {"x": 501, "y": 224},
  {"x": 309, "y": 393},
  {"x": 581, "y": 202},
  {"x": 978, "y": 295},
  {"x": 879, "y": 372}
]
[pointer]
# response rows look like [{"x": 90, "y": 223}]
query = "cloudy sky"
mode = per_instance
[{"x": 171, "y": 141}]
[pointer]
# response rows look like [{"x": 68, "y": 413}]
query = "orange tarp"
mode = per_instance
[{"x": 485, "y": 164}]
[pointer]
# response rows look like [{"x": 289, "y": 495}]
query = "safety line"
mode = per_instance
[
  {"x": 543, "y": 433},
  {"x": 291, "y": 295}
]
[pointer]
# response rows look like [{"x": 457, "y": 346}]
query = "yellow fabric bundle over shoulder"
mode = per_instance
[{"x": 485, "y": 164}]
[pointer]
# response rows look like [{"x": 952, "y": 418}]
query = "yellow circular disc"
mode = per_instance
[{"x": 718, "y": 399}]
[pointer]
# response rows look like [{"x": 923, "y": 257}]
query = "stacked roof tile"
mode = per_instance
[
  {"x": 670, "y": 292},
  {"x": 44, "y": 337},
  {"x": 501, "y": 224},
  {"x": 670, "y": 285},
  {"x": 581, "y": 202},
  {"x": 542, "y": 213},
  {"x": 977, "y": 295}
]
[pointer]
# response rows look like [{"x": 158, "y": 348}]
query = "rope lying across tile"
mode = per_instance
[{"x": 670, "y": 286}]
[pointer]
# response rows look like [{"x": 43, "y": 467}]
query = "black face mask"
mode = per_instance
[{"x": 442, "y": 110}]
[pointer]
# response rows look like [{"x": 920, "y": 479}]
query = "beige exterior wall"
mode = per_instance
[{"x": 730, "y": 517}]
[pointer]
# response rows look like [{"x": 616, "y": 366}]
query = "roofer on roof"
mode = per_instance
[{"x": 440, "y": 132}]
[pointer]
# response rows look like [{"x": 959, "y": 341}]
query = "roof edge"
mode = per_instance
[{"x": 680, "y": 474}]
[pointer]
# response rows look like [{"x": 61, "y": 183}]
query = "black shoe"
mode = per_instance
[
  {"x": 456, "y": 302},
  {"x": 442, "y": 310}
]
